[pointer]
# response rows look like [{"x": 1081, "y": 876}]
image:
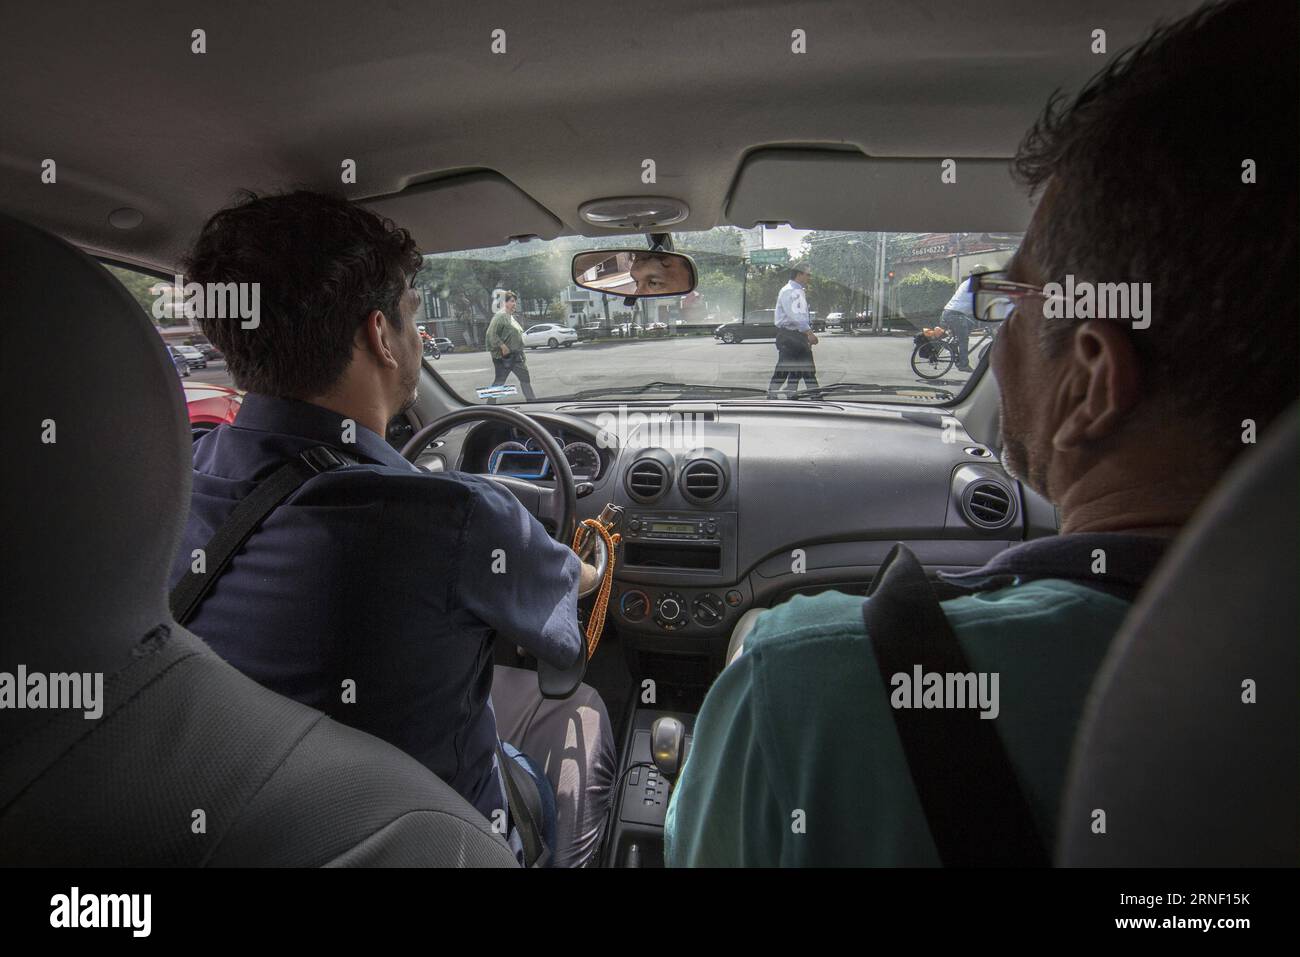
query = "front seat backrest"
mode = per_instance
[
  {"x": 188, "y": 762},
  {"x": 1186, "y": 769}
]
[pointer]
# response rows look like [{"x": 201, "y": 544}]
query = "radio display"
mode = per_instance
[{"x": 684, "y": 528}]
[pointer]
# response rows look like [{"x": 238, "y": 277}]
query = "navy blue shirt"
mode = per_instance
[{"x": 384, "y": 574}]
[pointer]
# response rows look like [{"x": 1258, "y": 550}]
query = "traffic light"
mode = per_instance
[{"x": 889, "y": 276}]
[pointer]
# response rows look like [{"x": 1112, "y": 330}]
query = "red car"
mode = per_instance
[{"x": 210, "y": 405}]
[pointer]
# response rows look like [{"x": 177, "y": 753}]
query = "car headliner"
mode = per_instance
[{"x": 585, "y": 92}]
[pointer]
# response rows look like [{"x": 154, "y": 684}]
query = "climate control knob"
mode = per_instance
[
  {"x": 707, "y": 609},
  {"x": 670, "y": 611},
  {"x": 635, "y": 605}
]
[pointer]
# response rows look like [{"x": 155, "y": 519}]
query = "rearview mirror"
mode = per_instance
[{"x": 634, "y": 272}]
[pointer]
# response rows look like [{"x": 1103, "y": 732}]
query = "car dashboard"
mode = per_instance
[{"x": 734, "y": 505}]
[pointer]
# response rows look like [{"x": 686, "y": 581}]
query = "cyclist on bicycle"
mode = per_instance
[{"x": 959, "y": 319}]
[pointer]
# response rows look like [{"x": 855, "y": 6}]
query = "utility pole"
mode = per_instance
[
  {"x": 878, "y": 320},
  {"x": 744, "y": 284}
]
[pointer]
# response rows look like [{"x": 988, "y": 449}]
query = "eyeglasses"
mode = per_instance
[{"x": 994, "y": 297}]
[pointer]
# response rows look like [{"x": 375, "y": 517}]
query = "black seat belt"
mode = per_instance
[
  {"x": 243, "y": 521},
  {"x": 525, "y": 804},
  {"x": 977, "y": 812}
]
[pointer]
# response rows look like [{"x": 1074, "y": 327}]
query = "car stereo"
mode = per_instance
[{"x": 672, "y": 527}]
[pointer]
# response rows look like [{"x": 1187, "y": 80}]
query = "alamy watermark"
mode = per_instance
[
  {"x": 210, "y": 300},
  {"x": 75, "y": 691},
  {"x": 76, "y": 910},
  {"x": 1103, "y": 300},
  {"x": 932, "y": 689},
  {"x": 643, "y": 430}
]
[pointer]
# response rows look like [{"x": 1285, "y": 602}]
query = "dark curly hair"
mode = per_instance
[
  {"x": 1146, "y": 164},
  {"x": 322, "y": 264}
]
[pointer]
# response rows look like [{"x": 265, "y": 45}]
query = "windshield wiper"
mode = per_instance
[
  {"x": 870, "y": 388},
  {"x": 655, "y": 387}
]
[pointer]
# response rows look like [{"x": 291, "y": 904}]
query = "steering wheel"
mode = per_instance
[{"x": 558, "y": 505}]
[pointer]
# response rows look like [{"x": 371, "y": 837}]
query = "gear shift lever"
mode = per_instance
[{"x": 668, "y": 746}]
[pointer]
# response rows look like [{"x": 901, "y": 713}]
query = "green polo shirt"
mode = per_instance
[
  {"x": 795, "y": 759},
  {"x": 505, "y": 329}
]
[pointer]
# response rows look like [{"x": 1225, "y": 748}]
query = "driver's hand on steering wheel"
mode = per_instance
[{"x": 588, "y": 577}]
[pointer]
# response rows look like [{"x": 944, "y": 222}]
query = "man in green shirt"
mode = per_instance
[
  {"x": 1124, "y": 422},
  {"x": 505, "y": 344}
]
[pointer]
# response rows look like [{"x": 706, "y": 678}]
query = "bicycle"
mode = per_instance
[{"x": 934, "y": 356}]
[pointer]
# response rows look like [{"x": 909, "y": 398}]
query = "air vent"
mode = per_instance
[
  {"x": 987, "y": 504},
  {"x": 703, "y": 481},
  {"x": 647, "y": 479}
]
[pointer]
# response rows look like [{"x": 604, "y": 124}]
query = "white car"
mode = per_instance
[
  {"x": 549, "y": 334},
  {"x": 193, "y": 356}
]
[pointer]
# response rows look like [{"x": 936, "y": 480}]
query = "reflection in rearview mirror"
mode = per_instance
[{"x": 634, "y": 272}]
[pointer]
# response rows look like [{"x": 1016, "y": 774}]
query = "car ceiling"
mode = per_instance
[{"x": 409, "y": 90}]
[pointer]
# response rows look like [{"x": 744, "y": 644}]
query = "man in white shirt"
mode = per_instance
[
  {"x": 959, "y": 317},
  {"x": 794, "y": 336}
]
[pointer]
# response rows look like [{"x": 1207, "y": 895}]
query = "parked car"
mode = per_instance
[
  {"x": 626, "y": 330},
  {"x": 210, "y": 405},
  {"x": 549, "y": 334},
  {"x": 180, "y": 362},
  {"x": 193, "y": 356},
  {"x": 757, "y": 324},
  {"x": 443, "y": 344},
  {"x": 210, "y": 352},
  {"x": 656, "y": 329}
]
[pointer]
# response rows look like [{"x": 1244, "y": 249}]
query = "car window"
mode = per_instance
[
  {"x": 884, "y": 307},
  {"x": 876, "y": 302},
  {"x": 211, "y": 398}
]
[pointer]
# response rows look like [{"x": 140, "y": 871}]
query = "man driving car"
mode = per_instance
[
  {"x": 1174, "y": 167},
  {"x": 377, "y": 590}
]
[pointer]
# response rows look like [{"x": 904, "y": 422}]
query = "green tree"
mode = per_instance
[
  {"x": 141, "y": 285},
  {"x": 721, "y": 289},
  {"x": 923, "y": 294},
  {"x": 724, "y": 240},
  {"x": 844, "y": 266},
  {"x": 762, "y": 285}
]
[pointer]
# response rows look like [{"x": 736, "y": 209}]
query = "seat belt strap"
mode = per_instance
[
  {"x": 243, "y": 521},
  {"x": 526, "y": 814},
  {"x": 977, "y": 812}
]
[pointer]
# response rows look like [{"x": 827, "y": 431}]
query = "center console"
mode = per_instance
[
  {"x": 677, "y": 573},
  {"x": 677, "y": 570},
  {"x": 636, "y": 821}
]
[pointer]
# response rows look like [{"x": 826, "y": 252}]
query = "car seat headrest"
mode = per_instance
[
  {"x": 1188, "y": 744},
  {"x": 102, "y": 452}
]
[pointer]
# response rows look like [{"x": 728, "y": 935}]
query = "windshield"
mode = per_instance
[{"x": 879, "y": 317}]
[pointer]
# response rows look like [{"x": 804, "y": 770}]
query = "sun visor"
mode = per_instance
[
  {"x": 846, "y": 190},
  {"x": 466, "y": 211}
]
